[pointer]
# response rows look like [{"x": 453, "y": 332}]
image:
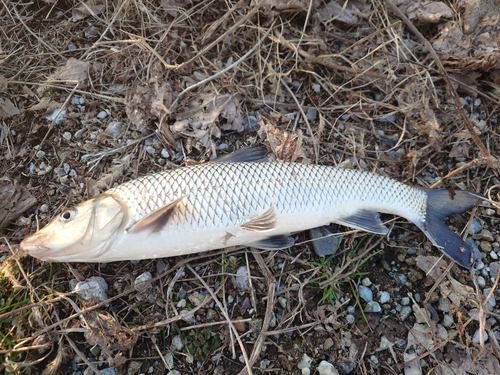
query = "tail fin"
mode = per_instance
[{"x": 440, "y": 204}]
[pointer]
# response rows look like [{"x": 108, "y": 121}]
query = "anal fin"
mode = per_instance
[
  {"x": 368, "y": 221},
  {"x": 156, "y": 220},
  {"x": 273, "y": 243}
]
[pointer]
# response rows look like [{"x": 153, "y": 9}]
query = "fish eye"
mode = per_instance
[{"x": 67, "y": 215}]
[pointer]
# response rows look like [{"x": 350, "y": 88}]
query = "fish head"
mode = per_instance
[{"x": 80, "y": 233}]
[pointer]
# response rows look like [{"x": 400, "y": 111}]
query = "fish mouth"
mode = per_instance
[{"x": 30, "y": 246}]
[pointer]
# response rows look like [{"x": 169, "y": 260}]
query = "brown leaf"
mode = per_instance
[
  {"x": 7, "y": 108},
  {"x": 348, "y": 12},
  {"x": 14, "y": 200},
  {"x": 75, "y": 70}
]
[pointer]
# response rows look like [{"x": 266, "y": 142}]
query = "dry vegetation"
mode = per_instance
[{"x": 411, "y": 92}]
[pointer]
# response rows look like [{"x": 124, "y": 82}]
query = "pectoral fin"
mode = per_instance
[
  {"x": 365, "y": 220},
  {"x": 266, "y": 221},
  {"x": 156, "y": 220},
  {"x": 274, "y": 243}
]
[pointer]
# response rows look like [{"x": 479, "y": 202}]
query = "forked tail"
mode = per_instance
[{"x": 441, "y": 204}]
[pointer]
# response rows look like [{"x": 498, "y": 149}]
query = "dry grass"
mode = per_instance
[{"x": 355, "y": 88}]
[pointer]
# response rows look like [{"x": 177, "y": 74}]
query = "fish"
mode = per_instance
[{"x": 242, "y": 200}]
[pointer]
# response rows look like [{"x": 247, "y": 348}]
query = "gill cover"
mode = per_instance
[{"x": 87, "y": 228}]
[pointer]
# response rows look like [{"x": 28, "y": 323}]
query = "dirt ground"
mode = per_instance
[{"x": 94, "y": 94}]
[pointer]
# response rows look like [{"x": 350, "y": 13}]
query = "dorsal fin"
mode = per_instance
[
  {"x": 156, "y": 220},
  {"x": 254, "y": 153}
]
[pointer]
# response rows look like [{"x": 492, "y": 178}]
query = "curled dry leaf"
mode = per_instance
[
  {"x": 14, "y": 200},
  {"x": 347, "y": 12},
  {"x": 78, "y": 14},
  {"x": 113, "y": 339},
  {"x": 75, "y": 70},
  {"x": 7, "y": 108},
  {"x": 145, "y": 103}
]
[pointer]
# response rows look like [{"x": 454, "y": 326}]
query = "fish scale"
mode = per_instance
[
  {"x": 211, "y": 191},
  {"x": 220, "y": 204}
]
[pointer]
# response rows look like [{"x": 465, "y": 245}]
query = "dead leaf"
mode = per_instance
[
  {"x": 84, "y": 11},
  {"x": 348, "y": 12},
  {"x": 14, "y": 200},
  {"x": 7, "y": 108},
  {"x": 75, "y": 70},
  {"x": 145, "y": 103},
  {"x": 429, "y": 11}
]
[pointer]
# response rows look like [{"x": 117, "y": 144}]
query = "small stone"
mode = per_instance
[
  {"x": 282, "y": 302},
  {"x": 373, "y": 307},
  {"x": 489, "y": 212},
  {"x": 447, "y": 320},
  {"x": 350, "y": 319},
  {"x": 476, "y": 338},
  {"x": 475, "y": 227},
  {"x": 114, "y": 128},
  {"x": 477, "y": 102},
  {"x": 486, "y": 235},
  {"x": 94, "y": 289},
  {"x": 485, "y": 246},
  {"x": 444, "y": 304},
  {"x": 345, "y": 367},
  {"x": 72, "y": 47},
  {"x": 491, "y": 301},
  {"x": 494, "y": 268},
  {"x": 134, "y": 367},
  {"x": 328, "y": 343},
  {"x": 165, "y": 154},
  {"x": 251, "y": 123},
  {"x": 223, "y": 146},
  {"x": 57, "y": 116},
  {"x": 326, "y": 368},
  {"x": 67, "y": 136},
  {"x": 102, "y": 115},
  {"x": 405, "y": 313},
  {"x": 40, "y": 154},
  {"x": 493, "y": 255},
  {"x": 169, "y": 360},
  {"x": 150, "y": 150},
  {"x": 365, "y": 293},
  {"x": 241, "y": 278},
  {"x": 324, "y": 243},
  {"x": 481, "y": 281},
  {"x": 177, "y": 343},
  {"x": 366, "y": 282},
  {"x": 316, "y": 88},
  {"x": 305, "y": 362},
  {"x": 312, "y": 114},
  {"x": 91, "y": 32},
  {"x": 66, "y": 168},
  {"x": 44, "y": 207},
  {"x": 351, "y": 309},
  {"x": 399, "y": 277},
  {"x": 383, "y": 297}
]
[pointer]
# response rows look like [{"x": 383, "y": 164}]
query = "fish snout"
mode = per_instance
[{"x": 32, "y": 245}]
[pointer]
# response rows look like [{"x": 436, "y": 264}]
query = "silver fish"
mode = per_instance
[{"x": 237, "y": 202}]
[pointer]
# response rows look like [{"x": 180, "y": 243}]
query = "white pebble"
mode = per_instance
[
  {"x": 93, "y": 289},
  {"x": 40, "y": 154},
  {"x": 44, "y": 207},
  {"x": 493, "y": 255},
  {"x": 177, "y": 343},
  {"x": 67, "y": 136},
  {"x": 326, "y": 368},
  {"x": 165, "y": 154},
  {"x": 150, "y": 150},
  {"x": 241, "y": 278},
  {"x": 316, "y": 88},
  {"x": 102, "y": 115},
  {"x": 476, "y": 337},
  {"x": 305, "y": 362},
  {"x": 477, "y": 102}
]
